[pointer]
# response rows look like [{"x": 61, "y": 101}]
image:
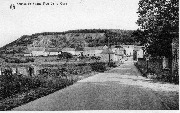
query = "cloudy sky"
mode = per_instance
[{"x": 77, "y": 14}]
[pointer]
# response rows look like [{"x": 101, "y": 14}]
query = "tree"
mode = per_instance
[
  {"x": 139, "y": 37},
  {"x": 158, "y": 18}
]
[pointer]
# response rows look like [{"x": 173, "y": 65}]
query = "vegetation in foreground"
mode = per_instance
[{"x": 19, "y": 89}]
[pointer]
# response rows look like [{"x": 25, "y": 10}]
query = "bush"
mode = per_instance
[
  {"x": 16, "y": 60},
  {"x": 95, "y": 57},
  {"x": 65, "y": 55},
  {"x": 112, "y": 64},
  {"x": 98, "y": 66},
  {"x": 29, "y": 59},
  {"x": 81, "y": 64}
]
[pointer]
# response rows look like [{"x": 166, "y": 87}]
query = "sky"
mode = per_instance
[{"x": 74, "y": 14}]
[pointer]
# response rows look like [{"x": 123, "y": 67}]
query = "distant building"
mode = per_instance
[
  {"x": 118, "y": 53},
  {"x": 41, "y": 51},
  {"x": 37, "y": 51},
  {"x": 107, "y": 54},
  {"x": 27, "y": 53},
  {"x": 69, "y": 50},
  {"x": 52, "y": 51},
  {"x": 129, "y": 49},
  {"x": 79, "y": 51},
  {"x": 93, "y": 51},
  {"x": 139, "y": 51}
]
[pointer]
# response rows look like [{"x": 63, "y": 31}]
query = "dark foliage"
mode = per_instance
[
  {"x": 65, "y": 55},
  {"x": 159, "y": 22},
  {"x": 112, "y": 64},
  {"x": 13, "y": 83},
  {"x": 18, "y": 60},
  {"x": 99, "y": 66},
  {"x": 95, "y": 57}
]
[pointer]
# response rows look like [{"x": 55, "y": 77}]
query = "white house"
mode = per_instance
[
  {"x": 119, "y": 53},
  {"x": 52, "y": 51},
  {"x": 69, "y": 50},
  {"x": 108, "y": 54},
  {"x": 79, "y": 51},
  {"x": 38, "y": 51},
  {"x": 129, "y": 49},
  {"x": 28, "y": 54},
  {"x": 42, "y": 51},
  {"x": 93, "y": 51},
  {"x": 140, "y": 51}
]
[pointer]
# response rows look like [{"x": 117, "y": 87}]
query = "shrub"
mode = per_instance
[
  {"x": 98, "y": 66},
  {"x": 81, "y": 64},
  {"x": 16, "y": 60},
  {"x": 65, "y": 55},
  {"x": 95, "y": 57},
  {"x": 112, "y": 64},
  {"x": 29, "y": 59}
]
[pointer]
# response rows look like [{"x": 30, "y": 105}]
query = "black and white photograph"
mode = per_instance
[{"x": 89, "y": 55}]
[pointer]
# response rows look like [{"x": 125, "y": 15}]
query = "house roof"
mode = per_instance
[
  {"x": 53, "y": 50},
  {"x": 68, "y": 49},
  {"x": 79, "y": 49},
  {"x": 105, "y": 47},
  {"x": 107, "y": 51}
]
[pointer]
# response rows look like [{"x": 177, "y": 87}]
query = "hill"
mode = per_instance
[{"x": 71, "y": 38}]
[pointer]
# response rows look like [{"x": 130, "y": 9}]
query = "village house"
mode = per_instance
[
  {"x": 129, "y": 49},
  {"x": 118, "y": 53},
  {"x": 69, "y": 50},
  {"x": 53, "y": 51},
  {"x": 93, "y": 51},
  {"x": 41, "y": 51},
  {"x": 36, "y": 51},
  {"x": 79, "y": 51},
  {"x": 139, "y": 51},
  {"x": 107, "y": 54},
  {"x": 27, "y": 53}
]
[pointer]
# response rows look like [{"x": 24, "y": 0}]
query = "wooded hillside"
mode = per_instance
[{"x": 71, "y": 38}]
